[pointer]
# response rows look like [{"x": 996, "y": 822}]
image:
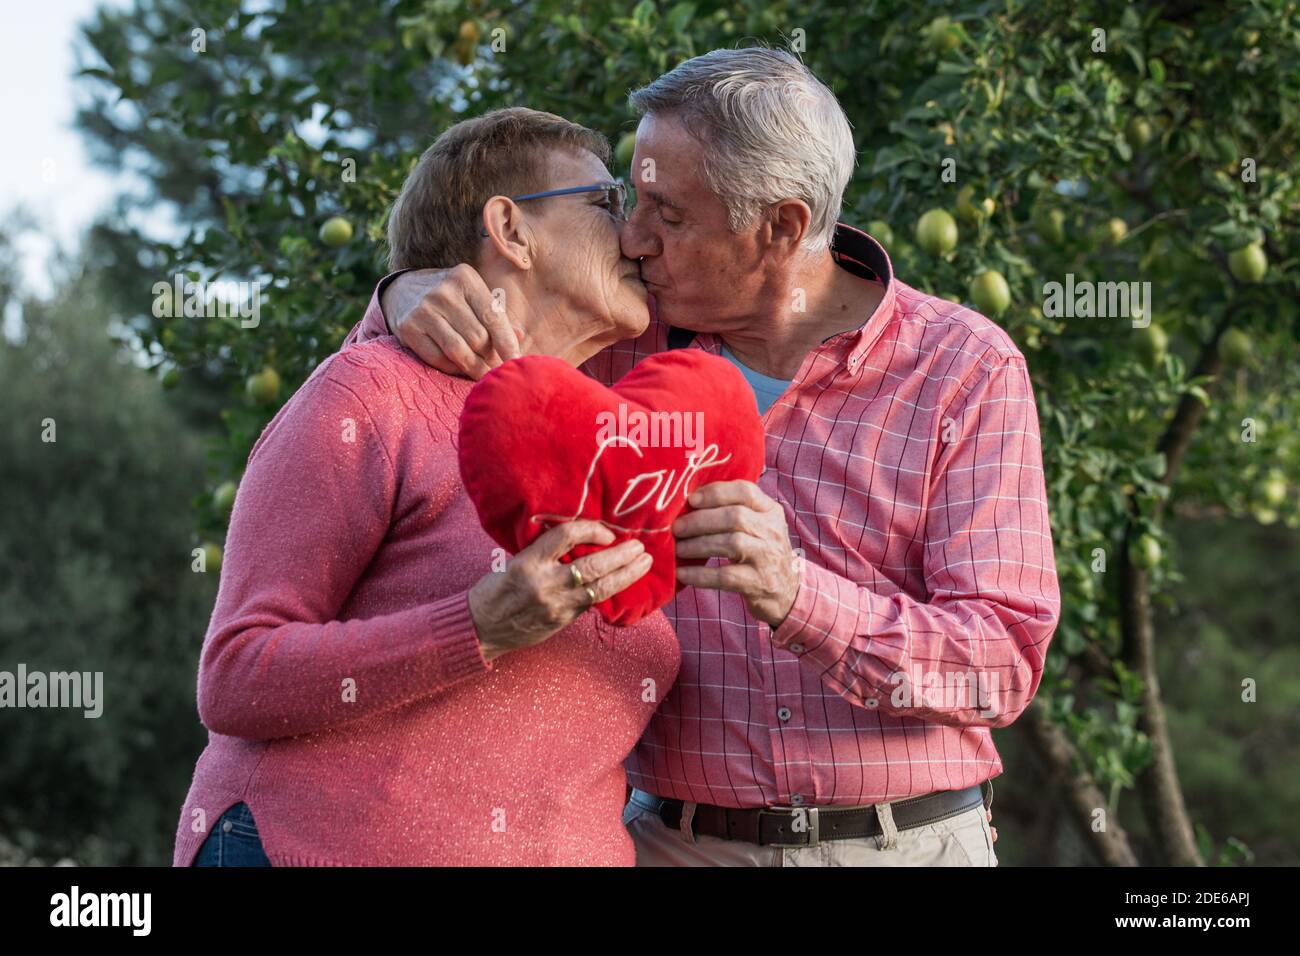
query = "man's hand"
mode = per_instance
[
  {"x": 449, "y": 318},
  {"x": 737, "y": 521}
]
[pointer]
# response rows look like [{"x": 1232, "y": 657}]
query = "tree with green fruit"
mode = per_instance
[{"x": 1000, "y": 150}]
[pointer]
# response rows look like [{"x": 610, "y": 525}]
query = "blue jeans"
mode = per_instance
[{"x": 233, "y": 841}]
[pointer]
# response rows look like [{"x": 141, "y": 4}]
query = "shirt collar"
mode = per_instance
[{"x": 862, "y": 255}]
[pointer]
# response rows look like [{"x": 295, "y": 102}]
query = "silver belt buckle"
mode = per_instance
[{"x": 813, "y": 831}]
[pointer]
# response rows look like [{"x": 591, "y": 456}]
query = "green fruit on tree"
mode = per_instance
[
  {"x": 223, "y": 499},
  {"x": 1138, "y": 132},
  {"x": 1152, "y": 343},
  {"x": 336, "y": 231},
  {"x": 263, "y": 387},
  {"x": 1273, "y": 488},
  {"x": 990, "y": 293},
  {"x": 1050, "y": 224},
  {"x": 1145, "y": 552},
  {"x": 942, "y": 35},
  {"x": 1112, "y": 231},
  {"x": 212, "y": 555},
  {"x": 970, "y": 211},
  {"x": 936, "y": 232},
  {"x": 1248, "y": 264},
  {"x": 1264, "y": 515},
  {"x": 1236, "y": 347},
  {"x": 623, "y": 152},
  {"x": 879, "y": 230}
]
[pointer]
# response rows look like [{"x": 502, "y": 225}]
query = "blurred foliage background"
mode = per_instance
[{"x": 1110, "y": 141}]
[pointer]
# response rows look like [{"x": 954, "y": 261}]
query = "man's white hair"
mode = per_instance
[{"x": 769, "y": 130}]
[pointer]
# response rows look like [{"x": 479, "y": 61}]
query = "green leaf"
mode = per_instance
[
  {"x": 644, "y": 11},
  {"x": 889, "y": 157},
  {"x": 1031, "y": 91},
  {"x": 679, "y": 17}
]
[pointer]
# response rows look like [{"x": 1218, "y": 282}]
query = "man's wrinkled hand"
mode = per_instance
[
  {"x": 450, "y": 319},
  {"x": 736, "y": 520}
]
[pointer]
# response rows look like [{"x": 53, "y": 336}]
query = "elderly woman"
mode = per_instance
[{"x": 377, "y": 689}]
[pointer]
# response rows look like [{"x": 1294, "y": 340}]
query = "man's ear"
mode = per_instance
[
  {"x": 507, "y": 231},
  {"x": 786, "y": 225}
]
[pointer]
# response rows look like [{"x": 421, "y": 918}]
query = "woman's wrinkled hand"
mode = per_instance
[{"x": 538, "y": 595}]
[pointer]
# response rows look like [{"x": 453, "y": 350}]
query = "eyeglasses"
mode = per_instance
[{"x": 616, "y": 196}]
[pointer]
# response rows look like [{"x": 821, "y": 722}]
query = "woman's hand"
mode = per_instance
[{"x": 537, "y": 595}]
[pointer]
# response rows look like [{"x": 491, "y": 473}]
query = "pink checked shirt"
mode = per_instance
[{"x": 906, "y": 455}]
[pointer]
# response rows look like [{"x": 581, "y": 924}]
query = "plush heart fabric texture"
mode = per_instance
[{"x": 541, "y": 443}]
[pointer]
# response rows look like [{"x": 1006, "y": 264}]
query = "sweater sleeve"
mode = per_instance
[{"x": 313, "y": 508}]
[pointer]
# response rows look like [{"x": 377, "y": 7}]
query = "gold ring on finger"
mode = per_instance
[
  {"x": 576, "y": 575},
  {"x": 592, "y": 595}
]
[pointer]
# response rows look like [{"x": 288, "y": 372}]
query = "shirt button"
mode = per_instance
[
  {"x": 227, "y": 826},
  {"x": 783, "y": 713},
  {"x": 796, "y": 799},
  {"x": 796, "y": 648}
]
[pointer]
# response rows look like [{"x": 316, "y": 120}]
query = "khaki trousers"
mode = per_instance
[{"x": 962, "y": 840}]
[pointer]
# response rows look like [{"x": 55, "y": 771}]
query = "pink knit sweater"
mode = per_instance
[{"x": 341, "y": 681}]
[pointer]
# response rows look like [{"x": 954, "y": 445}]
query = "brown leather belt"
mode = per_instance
[{"x": 809, "y": 826}]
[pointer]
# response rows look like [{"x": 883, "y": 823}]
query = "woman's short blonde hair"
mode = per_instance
[{"x": 436, "y": 218}]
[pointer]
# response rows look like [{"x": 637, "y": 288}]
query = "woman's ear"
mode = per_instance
[{"x": 506, "y": 230}]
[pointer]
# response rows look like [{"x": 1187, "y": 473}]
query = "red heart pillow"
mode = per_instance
[{"x": 541, "y": 443}]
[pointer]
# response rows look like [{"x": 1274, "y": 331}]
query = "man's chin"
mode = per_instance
[{"x": 663, "y": 311}]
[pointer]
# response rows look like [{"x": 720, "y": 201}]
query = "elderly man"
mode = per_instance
[{"x": 885, "y": 594}]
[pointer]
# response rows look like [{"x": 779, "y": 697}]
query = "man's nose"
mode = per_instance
[{"x": 635, "y": 240}]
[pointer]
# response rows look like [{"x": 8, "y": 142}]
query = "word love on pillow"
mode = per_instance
[{"x": 541, "y": 444}]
